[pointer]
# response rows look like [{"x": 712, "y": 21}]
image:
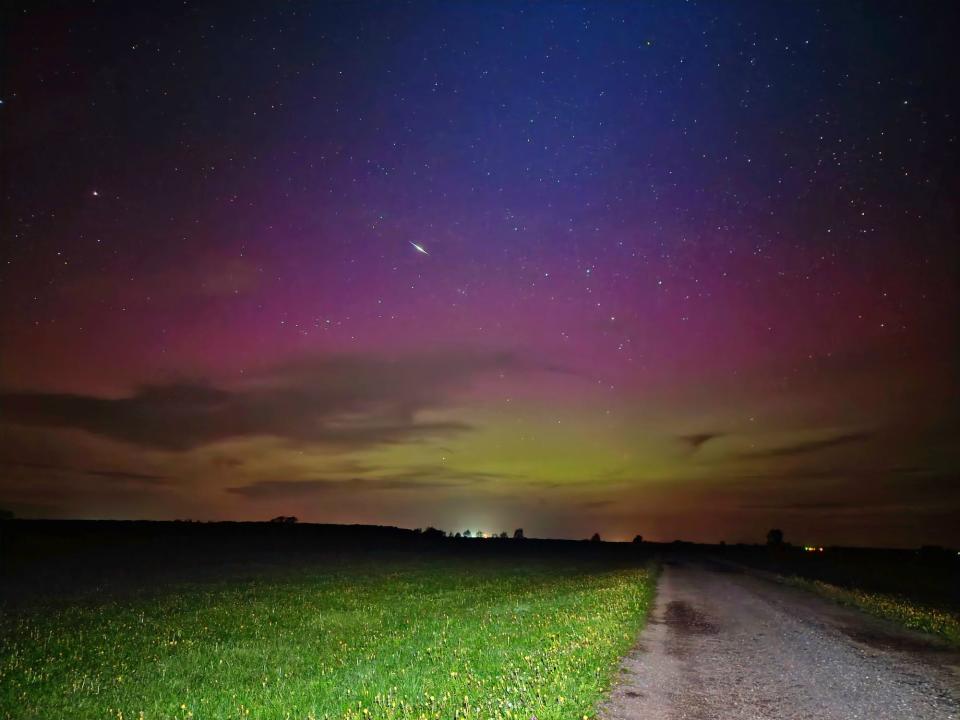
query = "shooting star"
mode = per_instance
[{"x": 418, "y": 248}]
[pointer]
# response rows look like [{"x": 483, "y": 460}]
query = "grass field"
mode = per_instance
[
  {"x": 448, "y": 638},
  {"x": 901, "y": 610}
]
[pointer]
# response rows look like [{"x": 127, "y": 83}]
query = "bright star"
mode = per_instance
[{"x": 418, "y": 248}]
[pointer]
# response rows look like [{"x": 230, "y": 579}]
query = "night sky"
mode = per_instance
[{"x": 688, "y": 270}]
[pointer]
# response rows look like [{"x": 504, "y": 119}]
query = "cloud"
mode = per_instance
[
  {"x": 226, "y": 461},
  {"x": 558, "y": 484},
  {"x": 698, "y": 440},
  {"x": 813, "y": 505},
  {"x": 109, "y": 474},
  {"x": 853, "y": 505},
  {"x": 421, "y": 478},
  {"x": 124, "y": 475},
  {"x": 596, "y": 504},
  {"x": 891, "y": 488},
  {"x": 347, "y": 402},
  {"x": 811, "y": 446}
]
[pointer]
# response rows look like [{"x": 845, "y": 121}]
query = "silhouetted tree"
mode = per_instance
[
  {"x": 518, "y": 534},
  {"x": 595, "y": 538},
  {"x": 457, "y": 535},
  {"x": 775, "y": 537},
  {"x": 638, "y": 539},
  {"x": 287, "y": 519},
  {"x": 433, "y": 533},
  {"x": 467, "y": 533},
  {"x": 6, "y": 514}
]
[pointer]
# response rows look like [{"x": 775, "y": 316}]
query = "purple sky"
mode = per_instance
[{"x": 691, "y": 270}]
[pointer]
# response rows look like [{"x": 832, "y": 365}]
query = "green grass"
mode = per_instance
[
  {"x": 466, "y": 639},
  {"x": 891, "y": 607}
]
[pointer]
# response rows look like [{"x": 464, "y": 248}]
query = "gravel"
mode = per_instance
[{"x": 725, "y": 644}]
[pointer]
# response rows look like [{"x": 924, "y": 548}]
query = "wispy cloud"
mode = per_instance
[
  {"x": 126, "y": 475},
  {"x": 119, "y": 475},
  {"x": 343, "y": 402},
  {"x": 810, "y": 446},
  {"x": 698, "y": 440},
  {"x": 596, "y": 504},
  {"x": 418, "y": 478},
  {"x": 813, "y": 505}
]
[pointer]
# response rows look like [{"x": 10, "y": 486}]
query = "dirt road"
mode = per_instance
[{"x": 723, "y": 644}]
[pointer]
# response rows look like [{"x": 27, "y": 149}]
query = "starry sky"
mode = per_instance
[{"x": 688, "y": 270}]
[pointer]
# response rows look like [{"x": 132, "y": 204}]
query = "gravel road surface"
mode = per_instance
[{"x": 725, "y": 644}]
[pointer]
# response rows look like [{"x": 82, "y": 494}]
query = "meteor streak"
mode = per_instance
[{"x": 418, "y": 248}]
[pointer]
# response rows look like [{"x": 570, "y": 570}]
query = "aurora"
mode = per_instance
[{"x": 692, "y": 271}]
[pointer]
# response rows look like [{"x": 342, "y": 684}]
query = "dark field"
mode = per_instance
[
  {"x": 234, "y": 620},
  {"x": 919, "y": 589},
  {"x": 131, "y": 620},
  {"x": 928, "y": 575}
]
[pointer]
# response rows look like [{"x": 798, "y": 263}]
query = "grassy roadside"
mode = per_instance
[
  {"x": 449, "y": 639},
  {"x": 890, "y": 607}
]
